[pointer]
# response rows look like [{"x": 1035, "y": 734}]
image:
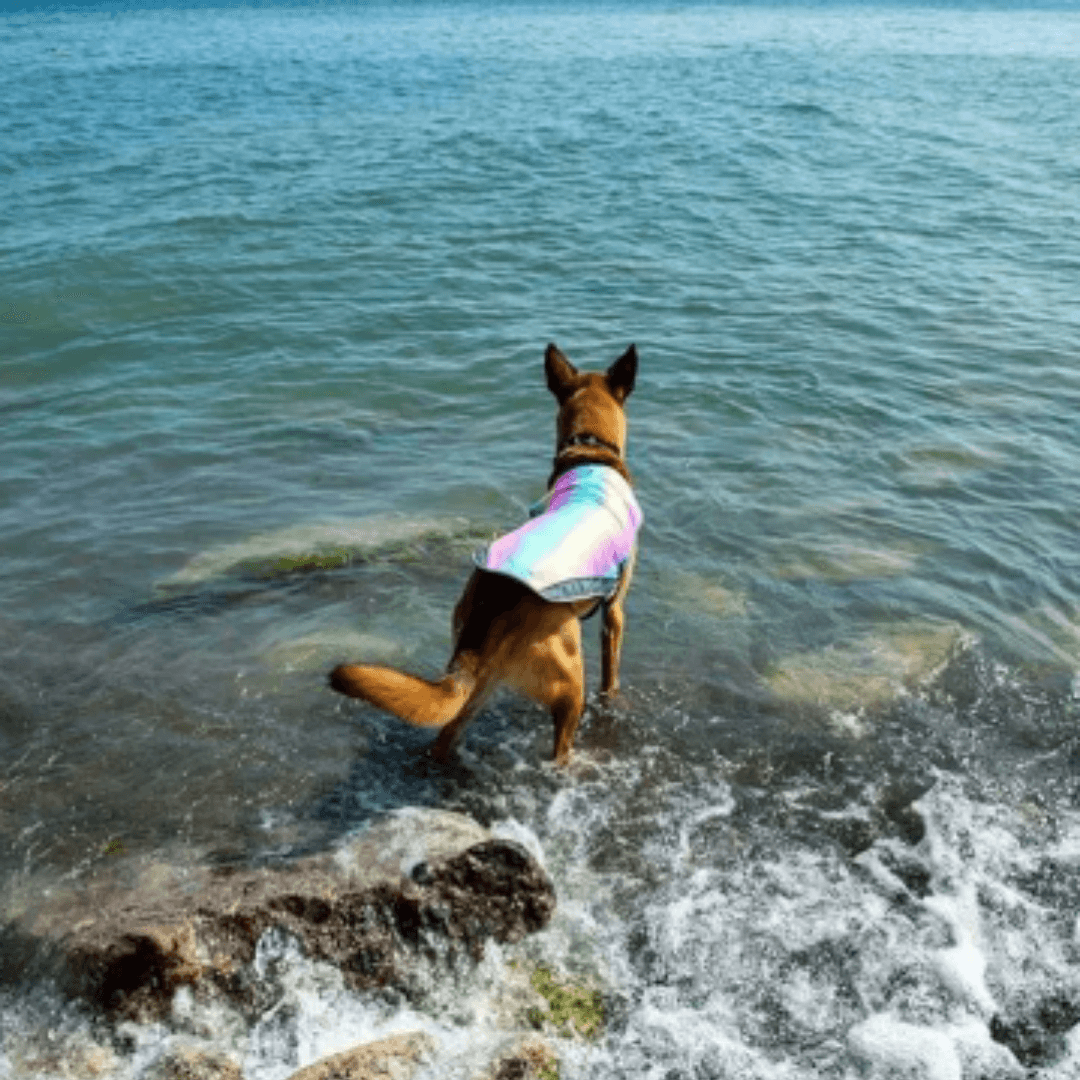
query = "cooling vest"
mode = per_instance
[{"x": 577, "y": 540}]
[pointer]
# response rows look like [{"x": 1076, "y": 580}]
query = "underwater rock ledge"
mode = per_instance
[{"x": 418, "y": 887}]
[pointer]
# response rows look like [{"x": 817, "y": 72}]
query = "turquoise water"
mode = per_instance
[{"x": 277, "y": 284}]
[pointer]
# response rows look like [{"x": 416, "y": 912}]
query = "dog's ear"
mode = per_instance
[
  {"x": 620, "y": 376},
  {"x": 562, "y": 376}
]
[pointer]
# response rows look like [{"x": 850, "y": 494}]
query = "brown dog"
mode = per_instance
[{"x": 523, "y": 628}]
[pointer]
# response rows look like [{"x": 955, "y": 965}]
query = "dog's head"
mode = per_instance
[{"x": 591, "y": 423}]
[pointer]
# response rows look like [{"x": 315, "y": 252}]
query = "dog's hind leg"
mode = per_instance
[
  {"x": 451, "y": 734},
  {"x": 553, "y": 674},
  {"x": 566, "y": 713}
]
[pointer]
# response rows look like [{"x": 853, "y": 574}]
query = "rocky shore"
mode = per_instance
[{"x": 420, "y": 892}]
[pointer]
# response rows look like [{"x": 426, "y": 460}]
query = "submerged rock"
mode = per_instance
[
  {"x": 870, "y": 671},
  {"x": 422, "y": 884}
]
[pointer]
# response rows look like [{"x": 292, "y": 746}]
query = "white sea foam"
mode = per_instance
[
  {"x": 716, "y": 811},
  {"x": 1069, "y": 1067},
  {"x": 980, "y": 1055},
  {"x": 717, "y": 965},
  {"x": 511, "y": 829},
  {"x": 1067, "y": 848},
  {"x": 315, "y": 1014},
  {"x": 408, "y": 835},
  {"x": 962, "y": 965},
  {"x": 469, "y": 1022},
  {"x": 732, "y": 947},
  {"x": 700, "y": 1040},
  {"x": 916, "y": 1053}
]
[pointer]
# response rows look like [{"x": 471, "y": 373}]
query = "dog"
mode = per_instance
[{"x": 518, "y": 621}]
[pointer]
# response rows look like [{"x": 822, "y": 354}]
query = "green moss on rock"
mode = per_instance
[{"x": 571, "y": 1008}]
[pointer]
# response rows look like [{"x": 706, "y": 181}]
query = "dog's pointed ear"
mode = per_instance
[
  {"x": 562, "y": 376},
  {"x": 620, "y": 376}
]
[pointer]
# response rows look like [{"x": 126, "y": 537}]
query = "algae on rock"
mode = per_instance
[{"x": 571, "y": 1009}]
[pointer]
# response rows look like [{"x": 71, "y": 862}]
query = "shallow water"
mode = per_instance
[{"x": 271, "y": 345}]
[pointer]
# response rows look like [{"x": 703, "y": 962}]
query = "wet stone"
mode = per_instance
[
  {"x": 1036, "y": 1036},
  {"x": 190, "y": 1063},
  {"x": 910, "y": 870},
  {"x": 78, "y": 1059},
  {"x": 396, "y": 1057},
  {"x": 528, "y": 1059},
  {"x": 127, "y": 952},
  {"x": 896, "y": 804}
]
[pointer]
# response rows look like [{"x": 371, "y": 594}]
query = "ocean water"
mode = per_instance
[{"x": 276, "y": 288}]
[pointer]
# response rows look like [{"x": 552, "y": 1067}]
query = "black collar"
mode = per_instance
[
  {"x": 585, "y": 449},
  {"x": 588, "y": 440}
]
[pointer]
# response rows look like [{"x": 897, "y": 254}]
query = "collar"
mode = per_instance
[
  {"x": 587, "y": 439},
  {"x": 586, "y": 449}
]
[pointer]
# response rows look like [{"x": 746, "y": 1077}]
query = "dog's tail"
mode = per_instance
[{"x": 431, "y": 704}]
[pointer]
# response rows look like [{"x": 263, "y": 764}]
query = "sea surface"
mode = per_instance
[{"x": 276, "y": 287}]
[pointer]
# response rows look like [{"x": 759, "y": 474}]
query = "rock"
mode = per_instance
[
  {"x": 396, "y": 1057},
  {"x": 572, "y": 1009},
  {"x": 896, "y": 803},
  {"x": 870, "y": 671},
  {"x": 1037, "y": 1034},
  {"x": 192, "y": 1063},
  {"x": 501, "y": 889},
  {"x": 75, "y": 1059},
  {"x": 528, "y": 1059},
  {"x": 430, "y": 885}
]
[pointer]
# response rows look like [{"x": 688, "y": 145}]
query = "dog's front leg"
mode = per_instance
[
  {"x": 611, "y": 647},
  {"x": 611, "y": 632}
]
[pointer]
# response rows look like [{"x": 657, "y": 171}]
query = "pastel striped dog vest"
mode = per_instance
[{"x": 578, "y": 540}]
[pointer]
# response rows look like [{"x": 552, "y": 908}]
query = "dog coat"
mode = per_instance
[{"x": 577, "y": 541}]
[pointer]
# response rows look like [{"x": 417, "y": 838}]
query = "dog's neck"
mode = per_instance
[
  {"x": 586, "y": 449},
  {"x": 586, "y": 439}
]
